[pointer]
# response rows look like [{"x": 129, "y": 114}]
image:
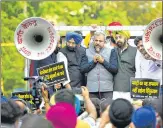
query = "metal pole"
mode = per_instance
[{"x": 26, "y": 72}]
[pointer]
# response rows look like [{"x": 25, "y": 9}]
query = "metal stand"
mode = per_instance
[{"x": 26, "y": 72}]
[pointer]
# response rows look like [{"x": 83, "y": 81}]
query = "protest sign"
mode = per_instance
[
  {"x": 25, "y": 95},
  {"x": 144, "y": 88},
  {"x": 53, "y": 73}
]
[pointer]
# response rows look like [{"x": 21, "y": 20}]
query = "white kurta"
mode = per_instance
[{"x": 142, "y": 68}]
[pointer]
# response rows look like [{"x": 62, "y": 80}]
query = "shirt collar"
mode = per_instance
[{"x": 125, "y": 48}]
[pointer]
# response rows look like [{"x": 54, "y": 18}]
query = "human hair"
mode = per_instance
[
  {"x": 137, "y": 39},
  {"x": 98, "y": 33},
  {"x": 10, "y": 112},
  {"x": 35, "y": 121},
  {"x": 65, "y": 95}
]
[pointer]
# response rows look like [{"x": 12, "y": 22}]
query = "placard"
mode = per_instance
[
  {"x": 25, "y": 95},
  {"x": 53, "y": 73},
  {"x": 144, "y": 88}
]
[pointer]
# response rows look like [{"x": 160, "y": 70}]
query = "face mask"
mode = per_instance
[{"x": 71, "y": 48}]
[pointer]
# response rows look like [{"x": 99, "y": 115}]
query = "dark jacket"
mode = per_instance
[
  {"x": 126, "y": 69},
  {"x": 40, "y": 63},
  {"x": 75, "y": 59}
]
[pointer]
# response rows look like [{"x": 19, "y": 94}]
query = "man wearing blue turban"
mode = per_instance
[
  {"x": 75, "y": 55},
  {"x": 73, "y": 37}
]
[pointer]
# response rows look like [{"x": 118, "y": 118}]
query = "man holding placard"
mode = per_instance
[{"x": 55, "y": 57}]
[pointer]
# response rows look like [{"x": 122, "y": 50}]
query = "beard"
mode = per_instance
[
  {"x": 97, "y": 48},
  {"x": 120, "y": 44},
  {"x": 71, "y": 49}
]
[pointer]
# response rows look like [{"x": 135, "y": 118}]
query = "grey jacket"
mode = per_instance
[{"x": 100, "y": 77}]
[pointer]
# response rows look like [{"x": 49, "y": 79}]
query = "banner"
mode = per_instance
[
  {"x": 25, "y": 95},
  {"x": 53, "y": 73},
  {"x": 144, "y": 88}
]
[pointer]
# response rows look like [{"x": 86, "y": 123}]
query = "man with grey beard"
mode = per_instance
[{"x": 102, "y": 65}]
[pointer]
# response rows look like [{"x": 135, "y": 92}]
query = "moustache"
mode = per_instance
[
  {"x": 97, "y": 46},
  {"x": 119, "y": 42}
]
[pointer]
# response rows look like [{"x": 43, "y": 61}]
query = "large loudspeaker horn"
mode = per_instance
[
  {"x": 35, "y": 38},
  {"x": 153, "y": 39}
]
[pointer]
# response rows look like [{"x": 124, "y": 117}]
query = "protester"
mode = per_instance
[
  {"x": 22, "y": 104},
  {"x": 144, "y": 117},
  {"x": 35, "y": 121},
  {"x": 10, "y": 114},
  {"x": 67, "y": 96},
  {"x": 75, "y": 55},
  {"x": 111, "y": 42},
  {"x": 126, "y": 65},
  {"x": 120, "y": 113},
  {"x": 62, "y": 115},
  {"x": 157, "y": 105},
  {"x": 102, "y": 64},
  {"x": 102, "y": 108},
  {"x": 146, "y": 66},
  {"x": 55, "y": 57}
]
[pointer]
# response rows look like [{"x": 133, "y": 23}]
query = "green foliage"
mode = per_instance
[
  {"x": 65, "y": 13},
  {"x": 141, "y": 12},
  {"x": 12, "y": 69}
]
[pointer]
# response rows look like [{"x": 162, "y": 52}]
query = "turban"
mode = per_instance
[
  {"x": 144, "y": 116},
  {"x": 77, "y": 103},
  {"x": 114, "y": 24},
  {"x": 73, "y": 35},
  {"x": 123, "y": 33},
  {"x": 62, "y": 115},
  {"x": 120, "y": 113}
]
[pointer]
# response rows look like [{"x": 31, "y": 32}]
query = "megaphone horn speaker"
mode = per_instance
[
  {"x": 153, "y": 39},
  {"x": 35, "y": 38}
]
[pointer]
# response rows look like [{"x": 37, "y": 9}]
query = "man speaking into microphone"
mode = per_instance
[{"x": 102, "y": 65}]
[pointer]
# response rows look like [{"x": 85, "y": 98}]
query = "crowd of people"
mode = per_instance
[{"x": 102, "y": 69}]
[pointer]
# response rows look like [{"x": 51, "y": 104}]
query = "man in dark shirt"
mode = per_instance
[
  {"x": 126, "y": 65},
  {"x": 75, "y": 55}
]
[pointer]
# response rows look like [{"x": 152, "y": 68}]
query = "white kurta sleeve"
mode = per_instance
[{"x": 138, "y": 73}]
